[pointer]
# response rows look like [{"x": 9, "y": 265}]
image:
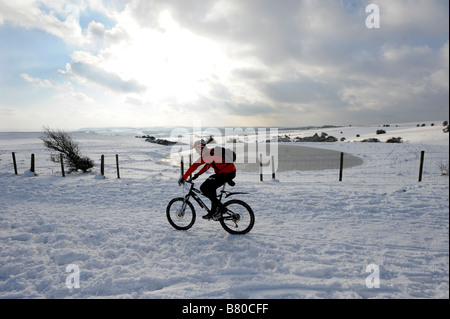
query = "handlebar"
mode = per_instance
[
  {"x": 191, "y": 186},
  {"x": 188, "y": 181},
  {"x": 191, "y": 179}
]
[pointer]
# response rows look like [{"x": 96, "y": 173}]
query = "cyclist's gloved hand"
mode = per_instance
[
  {"x": 181, "y": 181},
  {"x": 195, "y": 176}
]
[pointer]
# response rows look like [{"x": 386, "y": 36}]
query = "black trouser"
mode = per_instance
[{"x": 212, "y": 183}]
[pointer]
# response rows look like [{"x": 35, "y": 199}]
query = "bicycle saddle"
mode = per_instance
[{"x": 231, "y": 183}]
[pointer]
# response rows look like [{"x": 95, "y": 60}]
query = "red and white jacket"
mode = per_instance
[{"x": 208, "y": 159}]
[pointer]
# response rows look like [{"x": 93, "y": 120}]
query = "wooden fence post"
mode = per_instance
[
  {"x": 61, "y": 160},
  {"x": 182, "y": 166},
  {"x": 190, "y": 162},
  {"x": 117, "y": 165},
  {"x": 260, "y": 168},
  {"x": 422, "y": 155},
  {"x": 32, "y": 169},
  {"x": 102, "y": 165},
  {"x": 341, "y": 166},
  {"x": 14, "y": 162},
  {"x": 273, "y": 167}
]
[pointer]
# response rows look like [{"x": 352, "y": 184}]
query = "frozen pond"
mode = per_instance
[
  {"x": 286, "y": 158},
  {"x": 296, "y": 158}
]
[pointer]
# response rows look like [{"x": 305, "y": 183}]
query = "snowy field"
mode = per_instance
[{"x": 373, "y": 235}]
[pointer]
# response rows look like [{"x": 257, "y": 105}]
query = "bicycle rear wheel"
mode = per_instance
[
  {"x": 238, "y": 217},
  {"x": 181, "y": 215}
]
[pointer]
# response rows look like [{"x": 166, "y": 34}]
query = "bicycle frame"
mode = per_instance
[{"x": 193, "y": 193}]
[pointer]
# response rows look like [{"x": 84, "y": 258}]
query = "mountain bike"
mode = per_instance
[{"x": 236, "y": 216}]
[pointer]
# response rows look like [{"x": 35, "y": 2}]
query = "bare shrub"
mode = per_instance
[{"x": 61, "y": 141}]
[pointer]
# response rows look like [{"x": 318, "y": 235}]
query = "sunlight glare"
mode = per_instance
[{"x": 171, "y": 62}]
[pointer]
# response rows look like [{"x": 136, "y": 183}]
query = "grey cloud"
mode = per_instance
[
  {"x": 146, "y": 12},
  {"x": 309, "y": 31},
  {"x": 265, "y": 27},
  {"x": 98, "y": 36},
  {"x": 107, "y": 79},
  {"x": 249, "y": 73},
  {"x": 315, "y": 54},
  {"x": 308, "y": 56},
  {"x": 250, "y": 109},
  {"x": 304, "y": 90},
  {"x": 222, "y": 104}
]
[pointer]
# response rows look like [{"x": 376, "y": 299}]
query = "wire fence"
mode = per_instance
[
  {"x": 433, "y": 167},
  {"x": 408, "y": 167}
]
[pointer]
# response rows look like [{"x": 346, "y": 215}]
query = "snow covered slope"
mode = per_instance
[{"x": 310, "y": 240}]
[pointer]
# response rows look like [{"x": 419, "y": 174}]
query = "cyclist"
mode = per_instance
[{"x": 224, "y": 172}]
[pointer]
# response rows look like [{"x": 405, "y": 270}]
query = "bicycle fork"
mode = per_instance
[{"x": 180, "y": 213}]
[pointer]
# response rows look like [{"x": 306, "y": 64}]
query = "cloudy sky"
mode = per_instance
[{"x": 141, "y": 63}]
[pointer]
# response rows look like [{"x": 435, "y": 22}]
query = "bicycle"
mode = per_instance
[{"x": 236, "y": 217}]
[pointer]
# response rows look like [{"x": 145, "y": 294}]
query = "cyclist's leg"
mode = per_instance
[
  {"x": 209, "y": 189},
  {"x": 210, "y": 186}
]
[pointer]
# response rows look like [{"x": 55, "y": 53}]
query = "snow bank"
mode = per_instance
[{"x": 310, "y": 240}]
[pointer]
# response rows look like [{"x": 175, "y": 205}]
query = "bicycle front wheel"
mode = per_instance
[
  {"x": 238, "y": 217},
  {"x": 181, "y": 214}
]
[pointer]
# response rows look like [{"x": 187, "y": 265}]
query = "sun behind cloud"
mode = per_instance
[{"x": 235, "y": 63}]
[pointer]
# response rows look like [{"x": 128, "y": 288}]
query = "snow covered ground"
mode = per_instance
[{"x": 314, "y": 237}]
